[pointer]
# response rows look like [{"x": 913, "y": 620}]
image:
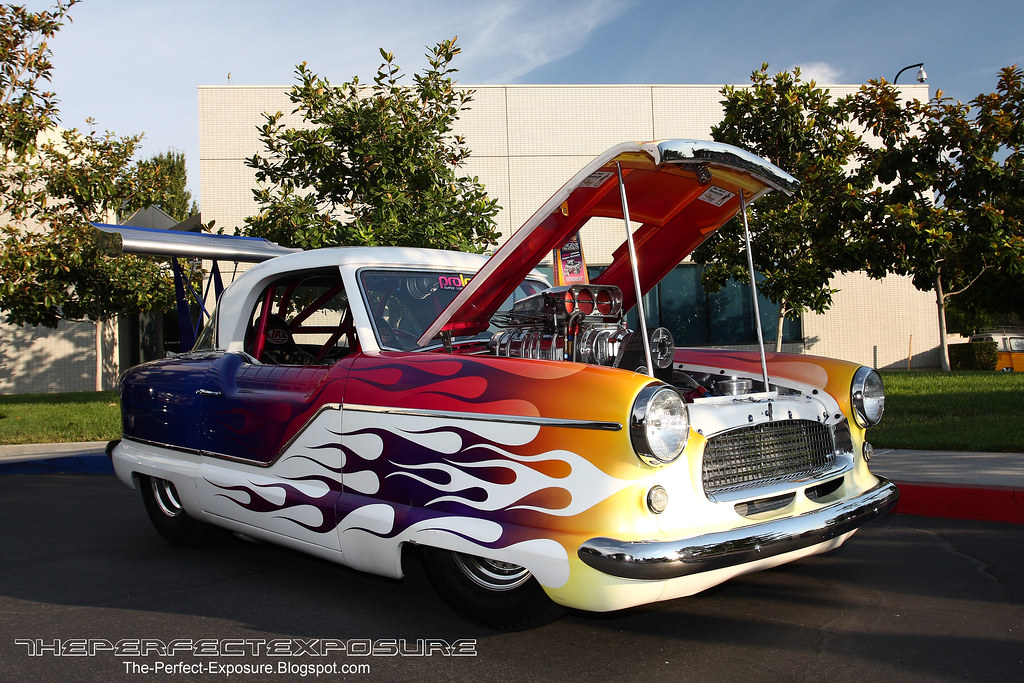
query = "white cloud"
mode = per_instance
[
  {"x": 820, "y": 72},
  {"x": 509, "y": 39}
]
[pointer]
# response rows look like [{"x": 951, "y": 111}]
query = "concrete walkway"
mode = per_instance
[
  {"x": 44, "y": 451},
  {"x": 950, "y": 467},
  {"x": 956, "y": 484},
  {"x": 961, "y": 484}
]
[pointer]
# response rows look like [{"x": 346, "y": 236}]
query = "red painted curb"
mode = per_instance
[{"x": 981, "y": 503}]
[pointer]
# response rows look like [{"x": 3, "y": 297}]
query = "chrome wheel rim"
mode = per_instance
[
  {"x": 492, "y": 574},
  {"x": 166, "y": 497}
]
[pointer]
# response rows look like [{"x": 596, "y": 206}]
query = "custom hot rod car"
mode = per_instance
[{"x": 537, "y": 453}]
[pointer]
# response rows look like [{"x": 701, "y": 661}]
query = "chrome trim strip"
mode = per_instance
[
  {"x": 660, "y": 560},
  {"x": 203, "y": 454},
  {"x": 565, "y": 423},
  {"x": 160, "y": 444}
]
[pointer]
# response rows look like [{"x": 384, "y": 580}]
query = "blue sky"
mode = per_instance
[{"x": 134, "y": 65}]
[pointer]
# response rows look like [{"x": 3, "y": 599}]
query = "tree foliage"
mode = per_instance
[
  {"x": 175, "y": 198},
  {"x": 948, "y": 207},
  {"x": 54, "y": 183},
  {"x": 937, "y": 195},
  {"x": 26, "y": 108},
  {"x": 372, "y": 165},
  {"x": 799, "y": 242}
]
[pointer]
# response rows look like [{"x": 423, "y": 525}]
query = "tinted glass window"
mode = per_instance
[{"x": 403, "y": 303}]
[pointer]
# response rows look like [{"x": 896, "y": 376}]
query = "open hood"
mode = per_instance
[{"x": 678, "y": 191}]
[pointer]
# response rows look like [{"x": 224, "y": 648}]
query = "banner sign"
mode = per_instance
[{"x": 570, "y": 267}]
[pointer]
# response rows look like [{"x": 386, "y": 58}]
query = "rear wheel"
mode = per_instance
[
  {"x": 495, "y": 594},
  {"x": 167, "y": 514}
]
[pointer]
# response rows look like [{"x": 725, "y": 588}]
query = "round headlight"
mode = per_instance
[
  {"x": 868, "y": 397},
  {"x": 659, "y": 425}
]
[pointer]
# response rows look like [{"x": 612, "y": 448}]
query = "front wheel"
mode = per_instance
[
  {"x": 168, "y": 516},
  {"x": 495, "y": 594}
]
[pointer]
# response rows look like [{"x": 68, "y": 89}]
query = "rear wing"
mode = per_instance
[
  {"x": 127, "y": 239},
  {"x": 192, "y": 246}
]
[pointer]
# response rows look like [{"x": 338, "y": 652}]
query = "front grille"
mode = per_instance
[{"x": 749, "y": 457}]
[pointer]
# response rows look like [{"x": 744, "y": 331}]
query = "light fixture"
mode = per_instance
[{"x": 921, "y": 75}]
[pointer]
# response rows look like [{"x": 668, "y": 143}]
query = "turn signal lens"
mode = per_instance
[{"x": 657, "y": 499}]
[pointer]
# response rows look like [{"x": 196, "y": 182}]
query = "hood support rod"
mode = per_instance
[
  {"x": 635, "y": 267},
  {"x": 753, "y": 290}
]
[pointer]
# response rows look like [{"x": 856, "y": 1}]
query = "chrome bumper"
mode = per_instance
[{"x": 657, "y": 560}]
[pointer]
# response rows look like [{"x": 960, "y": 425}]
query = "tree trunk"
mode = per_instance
[
  {"x": 778, "y": 331},
  {"x": 940, "y": 303}
]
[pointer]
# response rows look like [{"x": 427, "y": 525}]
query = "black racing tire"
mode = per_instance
[
  {"x": 494, "y": 594},
  {"x": 169, "y": 517}
]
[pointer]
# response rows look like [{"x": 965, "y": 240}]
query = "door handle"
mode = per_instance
[{"x": 207, "y": 392}]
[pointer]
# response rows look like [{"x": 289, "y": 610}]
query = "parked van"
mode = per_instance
[{"x": 1009, "y": 346}]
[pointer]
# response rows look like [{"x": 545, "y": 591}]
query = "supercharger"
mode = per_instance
[{"x": 578, "y": 323}]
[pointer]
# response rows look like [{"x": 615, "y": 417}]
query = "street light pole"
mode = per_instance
[{"x": 921, "y": 75}]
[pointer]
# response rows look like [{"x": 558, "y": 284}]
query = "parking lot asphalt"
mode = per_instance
[
  {"x": 90, "y": 592},
  {"x": 950, "y": 484}
]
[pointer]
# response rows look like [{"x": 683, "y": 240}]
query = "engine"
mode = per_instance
[{"x": 580, "y": 323}]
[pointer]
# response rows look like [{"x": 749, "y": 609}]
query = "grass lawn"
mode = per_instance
[
  {"x": 957, "y": 411},
  {"x": 51, "y": 418},
  {"x": 979, "y": 411}
]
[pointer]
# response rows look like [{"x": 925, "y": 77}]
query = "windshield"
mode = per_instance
[{"x": 403, "y": 303}]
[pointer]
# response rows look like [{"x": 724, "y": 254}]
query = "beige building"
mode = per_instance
[{"x": 526, "y": 141}]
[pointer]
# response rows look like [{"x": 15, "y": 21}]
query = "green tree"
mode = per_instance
[
  {"x": 799, "y": 242},
  {"x": 175, "y": 199},
  {"x": 60, "y": 272},
  {"x": 26, "y": 108},
  {"x": 55, "y": 183},
  {"x": 372, "y": 165},
  {"x": 948, "y": 208}
]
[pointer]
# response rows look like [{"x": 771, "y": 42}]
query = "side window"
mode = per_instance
[
  {"x": 207, "y": 339},
  {"x": 301, "y": 319},
  {"x": 1017, "y": 343}
]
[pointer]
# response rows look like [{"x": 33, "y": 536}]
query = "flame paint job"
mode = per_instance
[
  {"x": 483, "y": 485},
  {"x": 404, "y": 447}
]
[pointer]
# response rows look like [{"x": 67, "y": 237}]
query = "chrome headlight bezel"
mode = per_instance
[
  {"x": 659, "y": 424},
  {"x": 867, "y": 396}
]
